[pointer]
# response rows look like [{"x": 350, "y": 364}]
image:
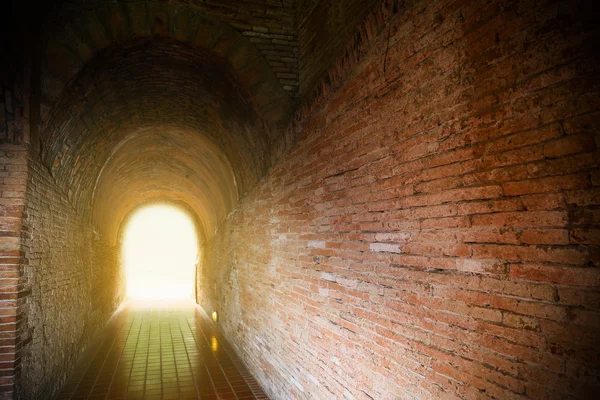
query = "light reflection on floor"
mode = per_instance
[{"x": 161, "y": 351}]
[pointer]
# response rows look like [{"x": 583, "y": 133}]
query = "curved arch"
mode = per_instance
[
  {"x": 172, "y": 165},
  {"x": 77, "y": 32},
  {"x": 155, "y": 119},
  {"x": 179, "y": 205},
  {"x": 156, "y": 235}
]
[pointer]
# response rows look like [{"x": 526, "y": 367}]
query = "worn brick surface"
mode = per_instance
[
  {"x": 73, "y": 283},
  {"x": 195, "y": 133},
  {"x": 434, "y": 232},
  {"x": 13, "y": 180},
  {"x": 14, "y": 124},
  {"x": 324, "y": 27},
  {"x": 76, "y": 32}
]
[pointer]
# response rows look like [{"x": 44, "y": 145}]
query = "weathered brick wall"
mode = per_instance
[
  {"x": 14, "y": 77},
  {"x": 435, "y": 231},
  {"x": 13, "y": 179},
  {"x": 13, "y": 116},
  {"x": 324, "y": 28},
  {"x": 73, "y": 280},
  {"x": 157, "y": 119},
  {"x": 108, "y": 278},
  {"x": 76, "y": 31}
]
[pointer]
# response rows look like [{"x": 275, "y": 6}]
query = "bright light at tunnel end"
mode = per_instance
[{"x": 160, "y": 250}]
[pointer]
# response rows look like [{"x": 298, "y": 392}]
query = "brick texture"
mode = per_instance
[
  {"x": 434, "y": 233},
  {"x": 73, "y": 284},
  {"x": 13, "y": 122},
  {"x": 15, "y": 76},
  {"x": 13, "y": 180},
  {"x": 426, "y": 227},
  {"x": 197, "y": 134},
  {"x": 324, "y": 27},
  {"x": 215, "y": 91},
  {"x": 75, "y": 33}
]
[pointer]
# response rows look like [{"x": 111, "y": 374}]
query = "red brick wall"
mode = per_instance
[
  {"x": 14, "y": 77},
  {"x": 13, "y": 123},
  {"x": 74, "y": 33},
  {"x": 13, "y": 178},
  {"x": 73, "y": 283},
  {"x": 434, "y": 233},
  {"x": 324, "y": 27}
]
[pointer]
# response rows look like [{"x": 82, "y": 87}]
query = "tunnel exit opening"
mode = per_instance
[{"x": 160, "y": 254}]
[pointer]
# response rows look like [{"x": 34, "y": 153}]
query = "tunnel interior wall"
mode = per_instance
[
  {"x": 60, "y": 274},
  {"x": 434, "y": 231},
  {"x": 13, "y": 183},
  {"x": 324, "y": 27},
  {"x": 74, "y": 283}
]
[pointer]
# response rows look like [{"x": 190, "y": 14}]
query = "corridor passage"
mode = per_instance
[{"x": 151, "y": 351}]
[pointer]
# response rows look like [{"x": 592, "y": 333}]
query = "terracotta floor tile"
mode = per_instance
[{"x": 161, "y": 352}]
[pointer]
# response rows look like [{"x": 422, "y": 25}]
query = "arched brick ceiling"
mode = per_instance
[
  {"x": 164, "y": 164},
  {"x": 160, "y": 100},
  {"x": 156, "y": 119},
  {"x": 75, "y": 32}
]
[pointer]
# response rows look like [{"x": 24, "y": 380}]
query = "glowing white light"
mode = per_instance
[{"x": 160, "y": 250}]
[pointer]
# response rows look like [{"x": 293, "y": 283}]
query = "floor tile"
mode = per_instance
[{"x": 161, "y": 351}]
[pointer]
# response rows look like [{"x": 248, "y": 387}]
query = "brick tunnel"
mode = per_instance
[{"x": 392, "y": 199}]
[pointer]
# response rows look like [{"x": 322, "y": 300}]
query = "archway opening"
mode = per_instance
[{"x": 160, "y": 253}]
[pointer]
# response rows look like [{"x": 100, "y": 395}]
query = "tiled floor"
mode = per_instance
[{"x": 161, "y": 352}]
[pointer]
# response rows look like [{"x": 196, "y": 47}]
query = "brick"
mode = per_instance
[
  {"x": 576, "y": 181},
  {"x": 544, "y": 236},
  {"x": 569, "y": 145},
  {"x": 482, "y": 266},
  {"x": 563, "y": 275},
  {"x": 423, "y": 226},
  {"x": 484, "y": 207},
  {"x": 534, "y": 253},
  {"x": 584, "y": 317},
  {"x": 483, "y": 192},
  {"x": 524, "y": 138},
  {"x": 585, "y": 236},
  {"x": 522, "y": 219},
  {"x": 582, "y": 197},
  {"x": 385, "y": 247},
  {"x": 520, "y": 321},
  {"x": 546, "y": 201}
]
